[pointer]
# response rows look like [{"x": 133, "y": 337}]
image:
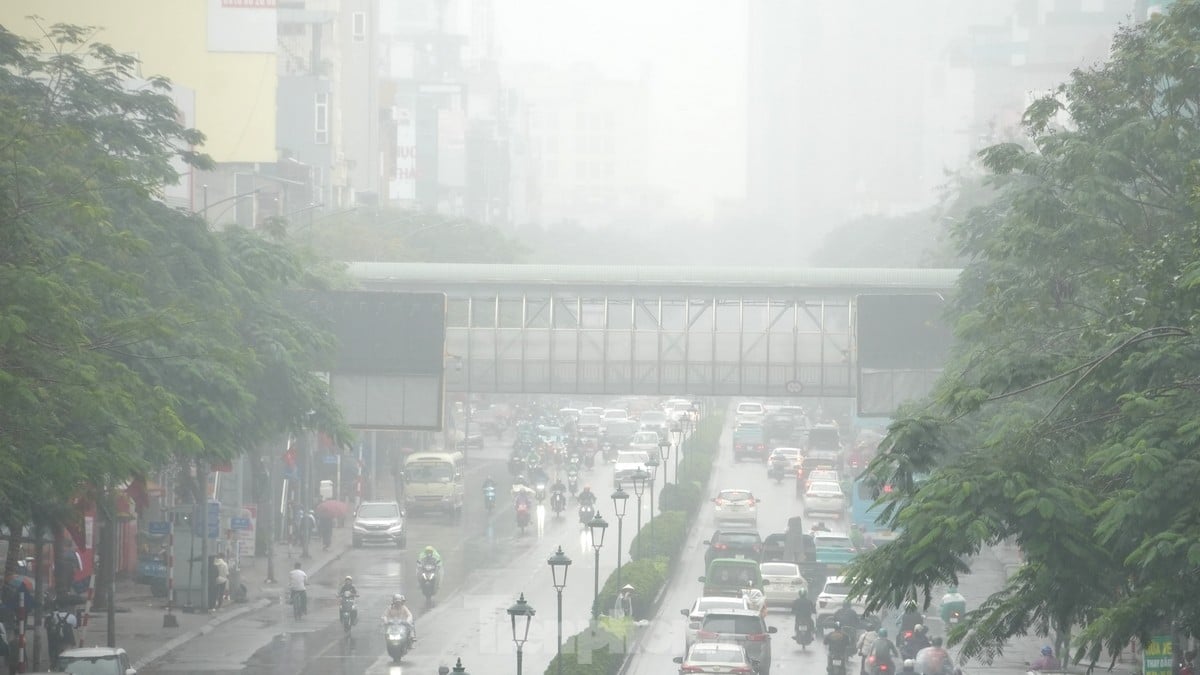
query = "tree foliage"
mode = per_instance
[
  {"x": 1067, "y": 419},
  {"x": 398, "y": 235},
  {"x": 130, "y": 334}
]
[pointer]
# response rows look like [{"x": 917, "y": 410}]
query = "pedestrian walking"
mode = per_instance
[
  {"x": 325, "y": 526},
  {"x": 221, "y": 570},
  {"x": 60, "y": 631}
]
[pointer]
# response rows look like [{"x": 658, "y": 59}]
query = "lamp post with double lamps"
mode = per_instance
[
  {"x": 652, "y": 465},
  {"x": 520, "y": 633},
  {"x": 619, "y": 499},
  {"x": 677, "y": 435},
  {"x": 639, "y": 479},
  {"x": 664, "y": 451},
  {"x": 559, "y": 564},
  {"x": 597, "y": 526}
]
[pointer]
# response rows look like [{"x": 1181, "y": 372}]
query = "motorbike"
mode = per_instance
[
  {"x": 347, "y": 610},
  {"x": 837, "y": 666},
  {"x": 523, "y": 516},
  {"x": 558, "y": 502},
  {"x": 540, "y": 489},
  {"x": 777, "y": 471},
  {"x": 876, "y": 667},
  {"x": 586, "y": 512},
  {"x": 803, "y": 636},
  {"x": 428, "y": 578},
  {"x": 489, "y": 497},
  {"x": 573, "y": 481},
  {"x": 398, "y": 636},
  {"x": 955, "y": 618},
  {"x": 606, "y": 450}
]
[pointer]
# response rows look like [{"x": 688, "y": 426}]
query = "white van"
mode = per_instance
[{"x": 749, "y": 411}]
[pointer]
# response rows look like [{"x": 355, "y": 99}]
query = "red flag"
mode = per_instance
[{"x": 289, "y": 457}]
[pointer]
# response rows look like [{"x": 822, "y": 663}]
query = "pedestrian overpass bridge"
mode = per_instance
[{"x": 593, "y": 329}]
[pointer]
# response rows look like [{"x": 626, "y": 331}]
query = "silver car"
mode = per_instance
[
  {"x": 824, "y": 497},
  {"x": 735, "y": 506},
  {"x": 716, "y": 658},
  {"x": 702, "y": 605},
  {"x": 782, "y": 583}
]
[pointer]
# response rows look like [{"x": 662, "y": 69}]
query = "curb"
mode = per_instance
[{"x": 179, "y": 640}]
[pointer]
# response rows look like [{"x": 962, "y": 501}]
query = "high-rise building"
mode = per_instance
[{"x": 587, "y": 149}]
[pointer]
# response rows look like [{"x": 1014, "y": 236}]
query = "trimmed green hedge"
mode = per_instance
[
  {"x": 597, "y": 650},
  {"x": 686, "y": 497},
  {"x": 670, "y": 533},
  {"x": 647, "y": 576}
]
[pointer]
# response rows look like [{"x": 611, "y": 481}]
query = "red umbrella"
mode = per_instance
[
  {"x": 333, "y": 508},
  {"x": 20, "y": 581}
]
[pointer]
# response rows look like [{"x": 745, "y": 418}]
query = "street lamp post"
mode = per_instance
[
  {"x": 639, "y": 487},
  {"x": 652, "y": 464},
  {"x": 458, "y": 668},
  {"x": 677, "y": 434},
  {"x": 559, "y": 564},
  {"x": 619, "y": 499},
  {"x": 597, "y": 526},
  {"x": 520, "y": 634},
  {"x": 664, "y": 451}
]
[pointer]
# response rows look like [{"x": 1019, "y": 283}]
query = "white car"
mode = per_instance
[
  {"x": 615, "y": 414},
  {"x": 735, "y": 506},
  {"x": 656, "y": 421},
  {"x": 824, "y": 497},
  {"x": 695, "y": 615},
  {"x": 794, "y": 455},
  {"x": 782, "y": 583},
  {"x": 749, "y": 411},
  {"x": 716, "y": 658},
  {"x": 825, "y": 475},
  {"x": 628, "y": 463},
  {"x": 833, "y": 596},
  {"x": 96, "y": 661},
  {"x": 645, "y": 441}
]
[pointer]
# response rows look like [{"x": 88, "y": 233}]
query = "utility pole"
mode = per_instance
[
  {"x": 110, "y": 555},
  {"x": 202, "y": 479}
]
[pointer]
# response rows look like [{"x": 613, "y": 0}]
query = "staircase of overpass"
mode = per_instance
[{"x": 590, "y": 329}]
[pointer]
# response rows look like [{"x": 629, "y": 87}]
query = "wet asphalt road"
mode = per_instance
[{"x": 487, "y": 561}]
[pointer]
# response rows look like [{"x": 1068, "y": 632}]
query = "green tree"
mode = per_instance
[
  {"x": 1066, "y": 420},
  {"x": 130, "y": 335},
  {"x": 399, "y": 235}
]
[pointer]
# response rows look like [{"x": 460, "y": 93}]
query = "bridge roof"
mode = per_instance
[{"x": 458, "y": 274}]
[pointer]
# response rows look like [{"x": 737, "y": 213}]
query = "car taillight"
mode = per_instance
[
  {"x": 691, "y": 669},
  {"x": 749, "y": 502},
  {"x": 883, "y": 668},
  {"x": 720, "y": 502},
  {"x": 706, "y": 635},
  {"x": 757, "y": 547},
  {"x": 741, "y": 669},
  {"x": 720, "y": 547},
  {"x": 756, "y": 637},
  {"x": 760, "y": 446}
]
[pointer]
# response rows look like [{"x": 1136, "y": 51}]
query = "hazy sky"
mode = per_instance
[{"x": 696, "y": 52}]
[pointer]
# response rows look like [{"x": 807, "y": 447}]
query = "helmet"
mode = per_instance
[
  {"x": 837, "y": 625},
  {"x": 882, "y": 632},
  {"x": 348, "y": 579},
  {"x": 397, "y": 598},
  {"x": 428, "y": 550},
  {"x": 1047, "y": 651},
  {"x": 587, "y": 488},
  {"x": 910, "y": 664},
  {"x": 803, "y": 593},
  {"x": 937, "y": 642},
  {"x": 919, "y": 628}
]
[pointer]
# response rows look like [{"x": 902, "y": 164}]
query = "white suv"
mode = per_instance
[
  {"x": 749, "y": 411},
  {"x": 832, "y": 597},
  {"x": 96, "y": 661}
]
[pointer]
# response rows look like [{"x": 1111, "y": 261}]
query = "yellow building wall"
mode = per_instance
[{"x": 235, "y": 93}]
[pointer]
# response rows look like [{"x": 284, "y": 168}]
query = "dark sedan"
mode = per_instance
[{"x": 733, "y": 544}]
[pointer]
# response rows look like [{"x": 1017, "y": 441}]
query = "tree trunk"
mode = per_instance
[{"x": 38, "y": 530}]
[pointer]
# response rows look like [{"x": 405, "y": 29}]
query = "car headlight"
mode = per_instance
[
  {"x": 396, "y": 528},
  {"x": 359, "y": 528}
]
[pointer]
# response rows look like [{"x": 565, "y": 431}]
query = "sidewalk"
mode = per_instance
[{"x": 139, "y": 615}]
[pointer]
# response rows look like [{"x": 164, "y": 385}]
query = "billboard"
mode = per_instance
[
  {"x": 404, "y": 186},
  {"x": 243, "y": 26},
  {"x": 902, "y": 344},
  {"x": 388, "y": 369}
]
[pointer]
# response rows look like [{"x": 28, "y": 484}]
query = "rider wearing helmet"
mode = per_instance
[
  {"x": 399, "y": 611},
  {"x": 846, "y": 616},
  {"x": 587, "y": 497},
  {"x": 952, "y": 602},
  {"x": 489, "y": 484},
  {"x": 348, "y": 585},
  {"x": 1047, "y": 662},
  {"x": 430, "y": 554},
  {"x": 934, "y": 660},
  {"x": 884, "y": 651},
  {"x": 910, "y": 618},
  {"x": 837, "y": 644},
  {"x": 918, "y": 641},
  {"x": 803, "y": 610}
]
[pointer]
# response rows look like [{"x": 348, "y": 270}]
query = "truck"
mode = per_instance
[{"x": 748, "y": 442}]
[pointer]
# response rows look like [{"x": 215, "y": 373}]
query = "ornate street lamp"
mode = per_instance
[
  {"x": 559, "y": 564},
  {"x": 664, "y": 450},
  {"x": 458, "y": 668},
  {"x": 652, "y": 465},
  {"x": 597, "y": 526},
  {"x": 619, "y": 499},
  {"x": 639, "y": 487},
  {"x": 519, "y": 610},
  {"x": 677, "y": 434}
]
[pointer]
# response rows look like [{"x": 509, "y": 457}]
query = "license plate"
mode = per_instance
[
  {"x": 740, "y": 556},
  {"x": 836, "y": 662}
]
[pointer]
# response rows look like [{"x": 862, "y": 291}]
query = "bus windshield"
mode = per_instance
[{"x": 433, "y": 472}]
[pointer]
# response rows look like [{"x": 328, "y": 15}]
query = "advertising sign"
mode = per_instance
[
  {"x": 1159, "y": 656},
  {"x": 404, "y": 185}
]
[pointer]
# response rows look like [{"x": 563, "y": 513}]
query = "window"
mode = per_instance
[
  {"x": 321, "y": 119},
  {"x": 358, "y": 26}
]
